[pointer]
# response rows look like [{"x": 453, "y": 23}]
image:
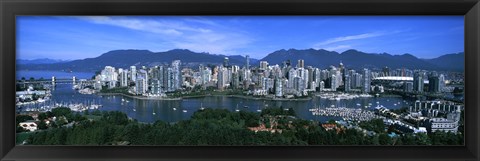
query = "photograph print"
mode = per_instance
[{"x": 240, "y": 80}]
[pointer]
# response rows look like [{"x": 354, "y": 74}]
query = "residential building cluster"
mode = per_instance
[{"x": 284, "y": 80}]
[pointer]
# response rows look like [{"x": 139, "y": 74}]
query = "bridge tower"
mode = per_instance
[{"x": 74, "y": 80}]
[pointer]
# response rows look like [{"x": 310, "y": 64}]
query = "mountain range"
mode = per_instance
[
  {"x": 40, "y": 61},
  {"x": 318, "y": 58},
  {"x": 357, "y": 59}
]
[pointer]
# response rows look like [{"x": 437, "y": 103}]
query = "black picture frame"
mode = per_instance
[{"x": 11, "y": 8}]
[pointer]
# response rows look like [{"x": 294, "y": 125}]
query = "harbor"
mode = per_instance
[
  {"x": 350, "y": 114},
  {"x": 175, "y": 110}
]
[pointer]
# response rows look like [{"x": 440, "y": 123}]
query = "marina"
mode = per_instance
[{"x": 350, "y": 114}]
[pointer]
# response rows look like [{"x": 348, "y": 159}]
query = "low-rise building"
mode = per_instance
[{"x": 28, "y": 125}]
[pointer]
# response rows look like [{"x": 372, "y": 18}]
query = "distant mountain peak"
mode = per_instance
[{"x": 321, "y": 58}]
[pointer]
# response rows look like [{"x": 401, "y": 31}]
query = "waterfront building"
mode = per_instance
[
  {"x": 299, "y": 84},
  {"x": 235, "y": 80},
  {"x": 161, "y": 76},
  {"x": 222, "y": 78},
  {"x": 133, "y": 73},
  {"x": 156, "y": 86},
  {"x": 322, "y": 86},
  {"x": 170, "y": 80},
  {"x": 206, "y": 75},
  {"x": 357, "y": 82},
  {"x": 165, "y": 76},
  {"x": 124, "y": 78},
  {"x": 143, "y": 75},
  {"x": 333, "y": 82},
  {"x": 325, "y": 74},
  {"x": 177, "y": 75},
  {"x": 97, "y": 85},
  {"x": 347, "y": 83},
  {"x": 108, "y": 76},
  {"x": 366, "y": 81},
  {"x": 310, "y": 77},
  {"x": 140, "y": 85},
  {"x": 316, "y": 76},
  {"x": 291, "y": 75}
]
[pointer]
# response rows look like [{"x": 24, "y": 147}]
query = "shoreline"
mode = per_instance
[
  {"x": 188, "y": 97},
  {"x": 140, "y": 97}
]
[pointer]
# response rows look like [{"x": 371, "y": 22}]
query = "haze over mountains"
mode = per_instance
[
  {"x": 40, "y": 61},
  {"x": 318, "y": 58}
]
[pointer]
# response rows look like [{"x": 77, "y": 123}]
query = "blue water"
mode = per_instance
[{"x": 164, "y": 109}]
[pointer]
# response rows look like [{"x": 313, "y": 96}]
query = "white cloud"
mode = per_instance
[
  {"x": 347, "y": 38},
  {"x": 329, "y": 44},
  {"x": 160, "y": 27},
  {"x": 193, "y": 33}
]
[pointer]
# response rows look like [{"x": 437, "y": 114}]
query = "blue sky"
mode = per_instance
[{"x": 79, "y": 37}]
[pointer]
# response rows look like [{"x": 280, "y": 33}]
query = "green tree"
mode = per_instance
[
  {"x": 61, "y": 111},
  {"x": 42, "y": 125}
]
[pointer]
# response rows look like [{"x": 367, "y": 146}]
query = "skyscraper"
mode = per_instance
[
  {"x": 434, "y": 83},
  {"x": 333, "y": 82},
  {"x": 263, "y": 65},
  {"x": 408, "y": 87},
  {"x": 278, "y": 87},
  {"x": 124, "y": 78},
  {"x": 247, "y": 65},
  {"x": 301, "y": 63},
  {"x": 156, "y": 86},
  {"x": 347, "y": 83},
  {"x": 366, "y": 81},
  {"x": 133, "y": 73},
  {"x": 143, "y": 74},
  {"x": 177, "y": 75},
  {"x": 418, "y": 81},
  {"x": 442, "y": 82},
  {"x": 170, "y": 80},
  {"x": 225, "y": 62},
  {"x": 222, "y": 78}
]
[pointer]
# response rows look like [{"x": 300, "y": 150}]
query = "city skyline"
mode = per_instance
[{"x": 70, "y": 38}]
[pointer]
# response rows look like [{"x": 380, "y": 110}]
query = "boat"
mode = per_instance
[
  {"x": 201, "y": 106},
  {"x": 174, "y": 109},
  {"x": 245, "y": 106},
  {"x": 184, "y": 110},
  {"x": 358, "y": 104}
]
